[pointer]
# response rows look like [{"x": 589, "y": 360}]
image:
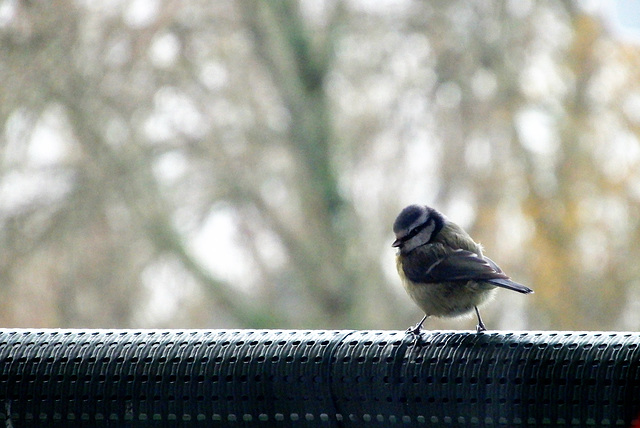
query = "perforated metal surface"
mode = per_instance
[{"x": 318, "y": 378}]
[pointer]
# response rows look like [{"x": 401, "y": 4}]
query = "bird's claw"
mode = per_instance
[{"x": 414, "y": 329}]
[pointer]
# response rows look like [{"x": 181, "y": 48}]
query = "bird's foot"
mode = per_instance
[
  {"x": 480, "y": 327},
  {"x": 416, "y": 329}
]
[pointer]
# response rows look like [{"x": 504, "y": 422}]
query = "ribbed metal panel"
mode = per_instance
[{"x": 318, "y": 378}]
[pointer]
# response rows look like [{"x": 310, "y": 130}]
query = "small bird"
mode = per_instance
[{"x": 442, "y": 268}]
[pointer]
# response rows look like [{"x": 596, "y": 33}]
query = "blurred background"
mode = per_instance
[{"x": 206, "y": 164}]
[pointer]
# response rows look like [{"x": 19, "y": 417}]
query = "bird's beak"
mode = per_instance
[{"x": 396, "y": 243}]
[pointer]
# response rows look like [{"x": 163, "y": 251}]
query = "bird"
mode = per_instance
[{"x": 442, "y": 268}]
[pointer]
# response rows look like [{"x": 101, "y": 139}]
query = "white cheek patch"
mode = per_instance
[
  {"x": 421, "y": 238},
  {"x": 426, "y": 233}
]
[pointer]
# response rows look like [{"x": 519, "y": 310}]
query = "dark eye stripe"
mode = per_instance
[{"x": 417, "y": 230}]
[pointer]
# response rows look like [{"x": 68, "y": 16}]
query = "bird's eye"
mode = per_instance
[{"x": 413, "y": 232}]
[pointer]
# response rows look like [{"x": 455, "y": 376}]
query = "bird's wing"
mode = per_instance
[{"x": 461, "y": 265}]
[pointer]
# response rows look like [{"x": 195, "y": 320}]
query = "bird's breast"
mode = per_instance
[{"x": 448, "y": 299}]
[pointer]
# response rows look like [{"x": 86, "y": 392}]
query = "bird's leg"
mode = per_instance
[
  {"x": 480, "y": 327},
  {"x": 416, "y": 328}
]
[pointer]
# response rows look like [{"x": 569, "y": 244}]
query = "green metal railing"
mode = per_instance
[{"x": 318, "y": 378}]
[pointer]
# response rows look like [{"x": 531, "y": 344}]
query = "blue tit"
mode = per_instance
[{"x": 442, "y": 269}]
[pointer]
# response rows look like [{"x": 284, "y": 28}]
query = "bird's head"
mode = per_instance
[{"x": 416, "y": 225}]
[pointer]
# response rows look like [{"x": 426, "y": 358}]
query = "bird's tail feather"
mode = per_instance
[{"x": 511, "y": 285}]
